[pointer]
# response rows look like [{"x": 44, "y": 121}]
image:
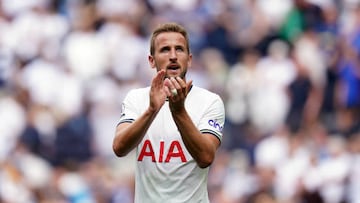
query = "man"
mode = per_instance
[{"x": 175, "y": 126}]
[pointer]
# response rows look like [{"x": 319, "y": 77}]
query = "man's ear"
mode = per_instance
[
  {"x": 190, "y": 60},
  {"x": 151, "y": 61}
]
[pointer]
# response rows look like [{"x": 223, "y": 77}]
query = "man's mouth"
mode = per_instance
[{"x": 173, "y": 67}]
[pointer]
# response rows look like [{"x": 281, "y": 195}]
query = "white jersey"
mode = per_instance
[{"x": 165, "y": 170}]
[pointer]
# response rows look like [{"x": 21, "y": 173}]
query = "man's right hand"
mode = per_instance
[{"x": 158, "y": 92}]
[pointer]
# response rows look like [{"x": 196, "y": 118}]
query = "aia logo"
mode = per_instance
[
  {"x": 215, "y": 124},
  {"x": 174, "y": 152}
]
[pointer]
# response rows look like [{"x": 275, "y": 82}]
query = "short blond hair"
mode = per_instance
[{"x": 168, "y": 27}]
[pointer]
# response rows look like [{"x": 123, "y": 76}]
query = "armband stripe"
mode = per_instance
[
  {"x": 217, "y": 135},
  {"x": 126, "y": 121}
]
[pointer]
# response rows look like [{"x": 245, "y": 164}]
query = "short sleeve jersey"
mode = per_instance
[{"x": 165, "y": 170}]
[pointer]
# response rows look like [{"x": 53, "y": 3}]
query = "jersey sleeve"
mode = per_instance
[
  {"x": 214, "y": 119},
  {"x": 129, "y": 111}
]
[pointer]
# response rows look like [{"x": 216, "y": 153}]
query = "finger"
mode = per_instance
[
  {"x": 175, "y": 83},
  {"x": 173, "y": 86},
  {"x": 159, "y": 78},
  {"x": 181, "y": 82},
  {"x": 168, "y": 83},
  {"x": 161, "y": 74},
  {"x": 167, "y": 91},
  {"x": 170, "y": 88}
]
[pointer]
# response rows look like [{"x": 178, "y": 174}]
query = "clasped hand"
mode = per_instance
[{"x": 174, "y": 88}]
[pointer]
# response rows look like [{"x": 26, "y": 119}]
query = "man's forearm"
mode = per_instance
[
  {"x": 129, "y": 135},
  {"x": 201, "y": 146}
]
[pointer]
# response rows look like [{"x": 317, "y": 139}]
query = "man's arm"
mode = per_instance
[
  {"x": 201, "y": 146},
  {"x": 129, "y": 135}
]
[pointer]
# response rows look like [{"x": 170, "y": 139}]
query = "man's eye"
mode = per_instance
[
  {"x": 179, "y": 49},
  {"x": 165, "y": 49}
]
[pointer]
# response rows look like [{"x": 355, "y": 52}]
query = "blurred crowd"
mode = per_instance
[{"x": 287, "y": 70}]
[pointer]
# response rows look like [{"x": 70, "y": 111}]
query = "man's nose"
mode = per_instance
[{"x": 173, "y": 55}]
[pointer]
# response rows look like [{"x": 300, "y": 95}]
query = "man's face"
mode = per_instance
[{"x": 171, "y": 54}]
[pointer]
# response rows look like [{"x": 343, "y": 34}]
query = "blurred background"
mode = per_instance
[{"x": 287, "y": 70}]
